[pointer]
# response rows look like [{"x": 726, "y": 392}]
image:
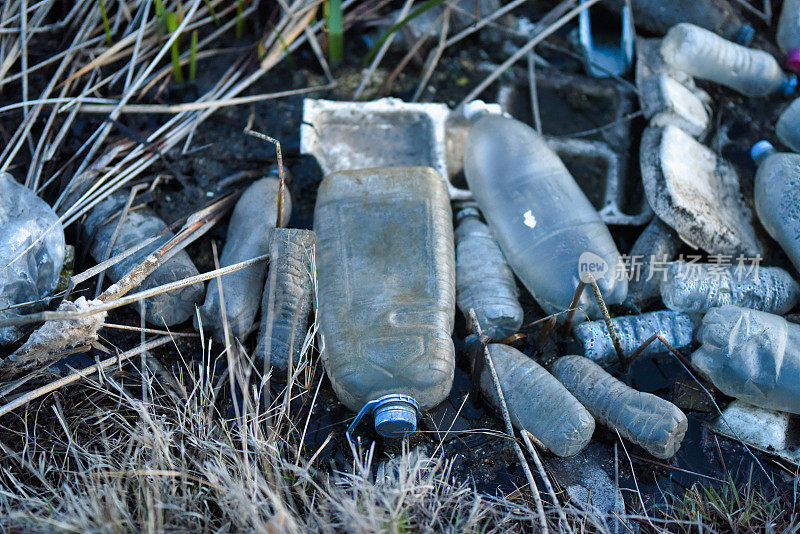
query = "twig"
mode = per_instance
[
  {"x": 434, "y": 57},
  {"x": 573, "y": 306},
  {"x": 537, "y": 119},
  {"x": 259, "y": 135},
  {"x": 526, "y": 438}
]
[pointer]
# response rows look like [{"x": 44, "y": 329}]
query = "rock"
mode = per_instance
[
  {"x": 31, "y": 252},
  {"x": 762, "y": 428},
  {"x": 696, "y": 193}
]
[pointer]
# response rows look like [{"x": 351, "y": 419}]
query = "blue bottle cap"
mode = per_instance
[
  {"x": 745, "y": 35},
  {"x": 789, "y": 84},
  {"x": 395, "y": 415},
  {"x": 760, "y": 150}
]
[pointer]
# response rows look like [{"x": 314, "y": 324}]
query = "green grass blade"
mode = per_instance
[
  {"x": 106, "y": 26},
  {"x": 211, "y": 11},
  {"x": 239, "y": 19},
  {"x": 193, "y": 57},
  {"x": 429, "y": 4},
  {"x": 333, "y": 21},
  {"x": 172, "y": 25}
]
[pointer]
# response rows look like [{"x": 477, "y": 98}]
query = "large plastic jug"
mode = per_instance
[
  {"x": 386, "y": 291},
  {"x": 777, "y": 196},
  {"x": 547, "y": 228},
  {"x": 708, "y": 56}
]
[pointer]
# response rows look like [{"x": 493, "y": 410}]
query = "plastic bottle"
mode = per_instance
[
  {"x": 788, "y": 34},
  {"x": 751, "y": 355},
  {"x": 632, "y": 331},
  {"x": 698, "y": 287},
  {"x": 718, "y": 16},
  {"x": 776, "y": 196},
  {"x": 26, "y": 275},
  {"x": 248, "y": 234},
  {"x": 657, "y": 425},
  {"x": 537, "y": 402},
  {"x": 287, "y": 299},
  {"x": 708, "y": 56},
  {"x": 656, "y": 245},
  {"x": 484, "y": 281},
  {"x": 170, "y": 308},
  {"x": 788, "y": 126},
  {"x": 545, "y": 225},
  {"x": 386, "y": 291}
]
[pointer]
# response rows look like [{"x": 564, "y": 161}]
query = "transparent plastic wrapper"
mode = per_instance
[
  {"x": 788, "y": 34},
  {"x": 170, "y": 308},
  {"x": 287, "y": 299},
  {"x": 777, "y": 197},
  {"x": 249, "y": 229},
  {"x": 632, "y": 331},
  {"x": 484, "y": 281},
  {"x": 656, "y": 245},
  {"x": 751, "y": 355},
  {"x": 26, "y": 275},
  {"x": 386, "y": 291},
  {"x": 657, "y": 425},
  {"x": 698, "y": 287},
  {"x": 708, "y": 56},
  {"x": 788, "y": 126},
  {"x": 719, "y": 16},
  {"x": 546, "y": 227},
  {"x": 537, "y": 402}
]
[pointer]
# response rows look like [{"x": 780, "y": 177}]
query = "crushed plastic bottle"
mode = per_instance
[
  {"x": 484, "y": 281},
  {"x": 788, "y": 126},
  {"x": 249, "y": 229},
  {"x": 751, "y": 355},
  {"x": 708, "y": 56},
  {"x": 546, "y": 227},
  {"x": 717, "y": 16},
  {"x": 537, "y": 402},
  {"x": 632, "y": 331},
  {"x": 655, "y": 424},
  {"x": 386, "y": 291},
  {"x": 777, "y": 197},
  {"x": 287, "y": 299},
  {"x": 788, "y": 34},
  {"x": 26, "y": 275},
  {"x": 170, "y": 308},
  {"x": 698, "y": 287},
  {"x": 657, "y": 244}
]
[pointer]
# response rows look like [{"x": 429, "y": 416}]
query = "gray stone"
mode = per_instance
[{"x": 766, "y": 430}]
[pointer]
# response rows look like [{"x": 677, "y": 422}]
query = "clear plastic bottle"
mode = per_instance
[
  {"x": 788, "y": 126},
  {"x": 657, "y": 244},
  {"x": 545, "y": 225},
  {"x": 788, "y": 34},
  {"x": 632, "y": 331},
  {"x": 751, "y": 355},
  {"x": 27, "y": 273},
  {"x": 248, "y": 234},
  {"x": 708, "y": 56},
  {"x": 698, "y": 287},
  {"x": 719, "y": 16},
  {"x": 655, "y": 424},
  {"x": 776, "y": 196},
  {"x": 386, "y": 291},
  {"x": 537, "y": 402},
  {"x": 170, "y": 308},
  {"x": 287, "y": 300},
  {"x": 484, "y": 281}
]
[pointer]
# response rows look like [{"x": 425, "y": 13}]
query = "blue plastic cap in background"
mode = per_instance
[
  {"x": 789, "y": 84},
  {"x": 760, "y": 150},
  {"x": 745, "y": 35}
]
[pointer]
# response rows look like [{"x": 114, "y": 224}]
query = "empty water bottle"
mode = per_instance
[
  {"x": 632, "y": 331},
  {"x": 484, "y": 281},
  {"x": 537, "y": 402},
  {"x": 31, "y": 253},
  {"x": 288, "y": 295},
  {"x": 386, "y": 291},
  {"x": 788, "y": 34},
  {"x": 751, "y": 355},
  {"x": 168, "y": 308},
  {"x": 708, "y": 56},
  {"x": 546, "y": 227},
  {"x": 655, "y": 424},
  {"x": 657, "y": 244},
  {"x": 248, "y": 234},
  {"x": 718, "y": 16},
  {"x": 777, "y": 197},
  {"x": 698, "y": 287},
  {"x": 788, "y": 126}
]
